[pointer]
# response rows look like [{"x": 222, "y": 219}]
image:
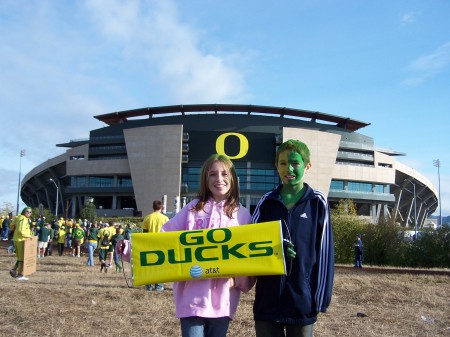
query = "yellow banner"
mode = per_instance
[{"x": 198, "y": 254}]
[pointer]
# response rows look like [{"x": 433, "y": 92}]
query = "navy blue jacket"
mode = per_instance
[{"x": 296, "y": 298}]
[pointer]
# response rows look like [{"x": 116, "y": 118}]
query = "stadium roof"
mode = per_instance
[{"x": 313, "y": 116}]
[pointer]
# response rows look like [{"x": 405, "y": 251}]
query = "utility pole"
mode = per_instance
[
  {"x": 437, "y": 163},
  {"x": 56, "y": 203},
  {"x": 22, "y": 153}
]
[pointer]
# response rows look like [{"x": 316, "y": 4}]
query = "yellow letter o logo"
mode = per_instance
[{"x": 243, "y": 145}]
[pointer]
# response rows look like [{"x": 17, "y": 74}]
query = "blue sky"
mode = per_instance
[{"x": 384, "y": 62}]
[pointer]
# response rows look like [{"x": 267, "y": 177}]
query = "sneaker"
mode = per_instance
[
  {"x": 78, "y": 255},
  {"x": 21, "y": 278},
  {"x": 13, "y": 273},
  {"x": 159, "y": 287},
  {"x": 149, "y": 287}
]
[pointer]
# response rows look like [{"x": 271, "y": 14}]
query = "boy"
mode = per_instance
[{"x": 291, "y": 302}]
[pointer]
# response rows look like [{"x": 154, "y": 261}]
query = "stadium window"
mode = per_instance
[
  {"x": 79, "y": 181},
  {"x": 359, "y": 187},
  {"x": 337, "y": 185},
  {"x": 379, "y": 188},
  {"x": 124, "y": 181},
  {"x": 101, "y": 181}
]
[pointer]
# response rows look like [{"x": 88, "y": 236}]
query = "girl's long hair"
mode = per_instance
[{"x": 204, "y": 194}]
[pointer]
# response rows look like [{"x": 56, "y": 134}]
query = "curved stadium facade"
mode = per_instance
[{"x": 145, "y": 154}]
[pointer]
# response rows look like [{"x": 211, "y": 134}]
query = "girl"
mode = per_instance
[{"x": 205, "y": 307}]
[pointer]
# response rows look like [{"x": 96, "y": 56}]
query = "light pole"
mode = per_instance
[
  {"x": 437, "y": 163},
  {"x": 56, "y": 205},
  {"x": 415, "y": 208},
  {"x": 22, "y": 153}
]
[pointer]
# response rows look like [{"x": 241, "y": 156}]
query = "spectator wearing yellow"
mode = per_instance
[
  {"x": 77, "y": 239},
  {"x": 61, "y": 239},
  {"x": 22, "y": 232},
  {"x": 153, "y": 222},
  {"x": 104, "y": 236}
]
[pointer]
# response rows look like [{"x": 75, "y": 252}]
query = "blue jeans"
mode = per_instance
[
  {"x": 5, "y": 233},
  {"x": 274, "y": 329},
  {"x": 91, "y": 247},
  {"x": 69, "y": 240},
  {"x": 204, "y": 327}
]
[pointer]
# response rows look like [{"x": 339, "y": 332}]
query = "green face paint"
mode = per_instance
[{"x": 291, "y": 168}]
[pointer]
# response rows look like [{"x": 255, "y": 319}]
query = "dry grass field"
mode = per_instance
[{"x": 66, "y": 298}]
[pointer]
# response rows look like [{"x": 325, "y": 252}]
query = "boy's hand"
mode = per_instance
[{"x": 290, "y": 250}]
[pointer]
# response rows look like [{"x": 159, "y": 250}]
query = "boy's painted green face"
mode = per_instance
[{"x": 291, "y": 168}]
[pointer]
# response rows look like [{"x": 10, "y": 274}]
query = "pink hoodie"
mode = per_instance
[{"x": 209, "y": 298}]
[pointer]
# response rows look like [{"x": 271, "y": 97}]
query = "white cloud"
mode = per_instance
[
  {"x": 116, "y": 19},
  {"x": 172, "y": 51},
  {"x": 429, "y": 65},
  {"x": 64, "y": 62},
  {"x": 408, "y": 18}
]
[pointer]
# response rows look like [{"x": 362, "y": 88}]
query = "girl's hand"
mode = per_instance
[{"x": 232, "y": 282}]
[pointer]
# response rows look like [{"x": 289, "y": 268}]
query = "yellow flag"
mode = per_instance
[{"x": 198, "y": 254}]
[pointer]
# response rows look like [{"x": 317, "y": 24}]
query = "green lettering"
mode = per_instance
[
  {"x": 144, "y": 258},
  {"x": 199, "y": 254},
  {"x": 265, "y": 250},
  {"x": 187, "y": 256},
  {"x": 226, "y": 235},
  {"x": 227, "y": 251},
  {"x": 194, "y": 239}
]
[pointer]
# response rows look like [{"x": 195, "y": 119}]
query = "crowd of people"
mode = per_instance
[
  {"x": 284, "y": 305},
  {"x": 67, "y": 235}
]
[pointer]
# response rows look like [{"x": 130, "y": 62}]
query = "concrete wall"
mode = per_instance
[
  {"x": 378, "y": 175},
  {"x": 154, "y": 156},
  {"x": 323, "y": 147}
]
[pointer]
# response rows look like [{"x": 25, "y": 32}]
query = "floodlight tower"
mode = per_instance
[
  {"x": 22, "y": 153},
  {"x": 56, "y": 205},
  {"x": 437, "y": 163}
]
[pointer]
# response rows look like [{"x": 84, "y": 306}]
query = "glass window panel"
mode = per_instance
[
  {"x": 359, "y": 187},
  {"x": 337, "y": 185},
  {"x": 101, "y": 181}
]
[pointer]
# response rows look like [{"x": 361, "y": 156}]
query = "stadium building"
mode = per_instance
[{"x": 144, "y": 154}]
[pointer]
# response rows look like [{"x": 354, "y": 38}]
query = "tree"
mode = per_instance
[
  {"x": 7, "y": 208},
  {"x": 346, "y": 225},
  {"x": 89, "y": 212}
]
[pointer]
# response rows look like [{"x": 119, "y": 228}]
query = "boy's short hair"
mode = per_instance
[
  {"x": 157, "y": 205},
  {"x": 297, "y": 146}
]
